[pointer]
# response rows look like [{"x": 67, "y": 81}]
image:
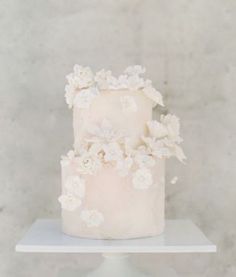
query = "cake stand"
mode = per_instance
[{"x": 180, "y": 236}]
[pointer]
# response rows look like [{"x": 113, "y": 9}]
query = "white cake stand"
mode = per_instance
[{"x": 180, "y": 236}]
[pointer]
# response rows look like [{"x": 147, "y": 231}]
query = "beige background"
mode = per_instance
[{"x": 188, "y": 47}]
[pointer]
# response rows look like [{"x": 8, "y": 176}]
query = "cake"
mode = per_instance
[{"x": 113, "y": 181}]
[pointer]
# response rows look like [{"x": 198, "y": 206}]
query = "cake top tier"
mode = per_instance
[{"x": 84, "y": 85}]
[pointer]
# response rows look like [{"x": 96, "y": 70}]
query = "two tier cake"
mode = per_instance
[{"x": 113, "y": 180}]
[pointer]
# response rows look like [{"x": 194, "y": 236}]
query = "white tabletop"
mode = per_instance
[{"x": 180, "y": 236}]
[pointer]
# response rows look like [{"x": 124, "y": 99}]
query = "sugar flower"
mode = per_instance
[
  {"x": 88, "y": 164},
  {"x": 69, "y": 202},
  {"x": 153, "y": 94},
  {"x": 68, "y": 159},
  {"x": 82, "y": 77},
  {"x": 179, "y": 153},
  {"x": 121, "y": 82},
  {"x": 75, "y": 185},
  {"x": 164, "y": 137},
  {"x": 144, "y": 160},
  {"x": 124, "y": 165},
  {"x": 104, "y": 79},
  {"x": 134, "y": 82},
  {"x": 157, "y": 147},
  {"x": 85, "y": 97},
  {"x": 157, "y": 129},
  {"x": 104, "y": 132},
  {"x": 70, "y": 95},
  {"x": 112, "y": 151},
  {"x": 171, "y": 123},
  {"x": 92, "y": 218}
]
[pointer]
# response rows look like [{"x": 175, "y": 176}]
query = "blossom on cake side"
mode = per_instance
[
  {"x": 88, "y": 164},
  {"x": 112, "y": 151},
  {"x": 164, "y": 137},
  {"x": 92, "y": 218},
  {"x": 84, "y": 99},
  {"x": 144, "y": 159},
  {"x": 80, "y": 78},
  {"x": 73, "y": 193},
  {"x": 106, "y": 145},
  {"x": 103, "y": 132},
  {"x": 69, "y": 202},
  {"x": 154, "y": 95},
  {"x": 75, "y": 185},
  {"x": 69, "y": 159}
]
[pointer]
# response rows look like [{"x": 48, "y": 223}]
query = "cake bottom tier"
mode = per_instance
[{"x": 111, "y": 208}]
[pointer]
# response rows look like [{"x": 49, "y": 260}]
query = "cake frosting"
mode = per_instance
[{"x": 113, "y": 181}]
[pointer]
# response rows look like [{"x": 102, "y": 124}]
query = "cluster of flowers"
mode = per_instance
[
  {"x": 71, "y": 199},
  {"x": 107, "y": 146},
  {"x": 84, "y": 86}
]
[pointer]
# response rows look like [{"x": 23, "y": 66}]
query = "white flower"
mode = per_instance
[
  {"x": 164, "y": 137},
  {"x": 144, "y": 160},
  {"x": 75, "y": 185},
  {"x": 70, "y": 95},
  {"x": 158, "y": 148},
  {"x": 179, "y": 153},
  {"x": 174, "y": 180},
  {"x": 147, "y": 83},
  {"x": 124, "y": 165},
  {"x": 92, "y": 218},
  {"x": 84, "y": 98},
  {"x": 69, "y": 202},
  {"x": 104, "y": 79},
  {"x": 68, "y": 159},
  {"x": 104, "y": 132},
  {"x": 157, "y": 129},
  {"x": 162, "y": 152},
  {"x": 88, "y": 164},
  {"x": 142, "y": 179},
  {"x": 82, "y": 77},
  {"x": 95, "y": 148},
  {"x": 122, "y": 82},
  {"x": 112, "y": 151},
  {"x": 134, "y": 82},
  {"x": 154, "y": 95},
  {"x": 128, "y": 149},
  {"x": 128, "y": 104},
  {"x": 135, "y": 70},
  {"x": 171, "y": 122}
]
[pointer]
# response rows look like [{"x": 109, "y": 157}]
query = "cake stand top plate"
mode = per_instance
[{"x": 180, "y": 236}]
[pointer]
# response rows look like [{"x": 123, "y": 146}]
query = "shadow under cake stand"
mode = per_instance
[{"x": 180, "y": 236}]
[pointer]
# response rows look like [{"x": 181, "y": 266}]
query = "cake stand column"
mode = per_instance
[{"x": 116, "y": 265}]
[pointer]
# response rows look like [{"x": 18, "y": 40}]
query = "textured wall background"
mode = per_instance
[{"x": 188, "y": 47}]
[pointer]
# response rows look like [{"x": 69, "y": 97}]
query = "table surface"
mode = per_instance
[{"x": 180, "y": 236}]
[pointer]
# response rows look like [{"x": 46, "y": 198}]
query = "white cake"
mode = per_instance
[{"x": 113, "y": 181}]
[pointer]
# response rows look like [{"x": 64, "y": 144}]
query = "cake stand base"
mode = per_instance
[{"x": 118, "y": 265}]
